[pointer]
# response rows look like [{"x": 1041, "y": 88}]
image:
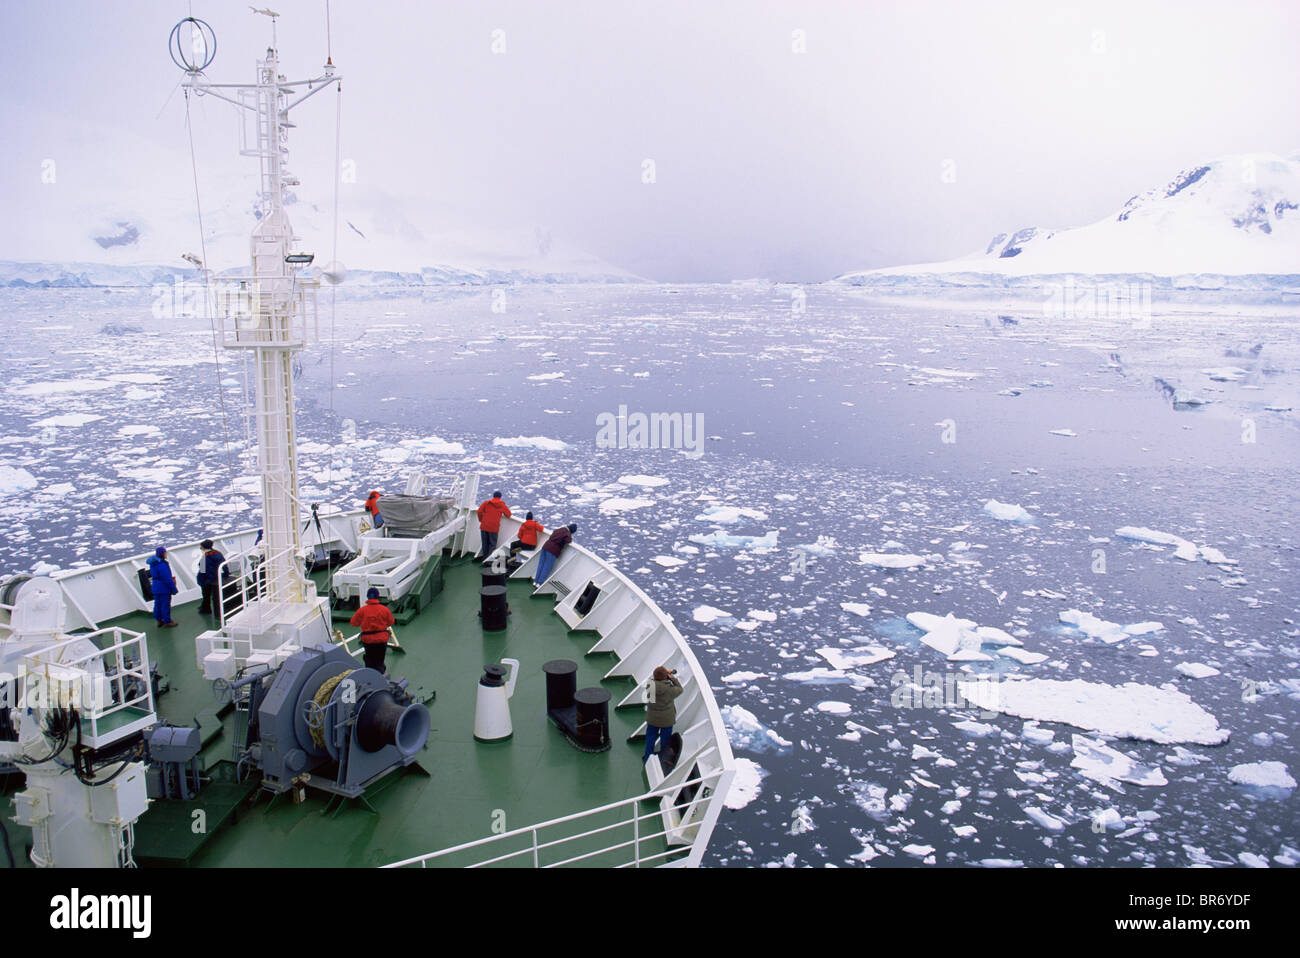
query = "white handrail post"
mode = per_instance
[
  {"x": 636, "y": 833},
  {"x": 535, "y": 859}
]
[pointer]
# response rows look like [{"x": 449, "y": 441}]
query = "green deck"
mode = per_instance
[{"x": 472, "y": 789}]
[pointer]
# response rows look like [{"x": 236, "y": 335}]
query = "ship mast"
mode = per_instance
[{"x": 269, "y": 319}]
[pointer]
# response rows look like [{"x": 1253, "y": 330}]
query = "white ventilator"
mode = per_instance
[{"x": 492, "y": 711}]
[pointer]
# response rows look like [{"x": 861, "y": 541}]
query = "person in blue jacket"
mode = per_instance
[{"x": 163, "y": 584}]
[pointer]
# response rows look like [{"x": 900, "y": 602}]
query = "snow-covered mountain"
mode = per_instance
[
  {"x": 120, "y": 209},
  {"x": 1235, "y": 216}
]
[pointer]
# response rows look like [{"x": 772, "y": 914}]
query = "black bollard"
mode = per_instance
[
  {"x": 592, "y": 717},
  {"x": 493, "y": 608},
  {"x": 561, "y": 683}
]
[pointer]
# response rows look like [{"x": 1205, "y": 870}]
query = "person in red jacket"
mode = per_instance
[
  {"x": 372, "y": 507},
  {"x": 490, "y": 512},
  {"x": 528, "y": 534},
  {"x": 375, "y": 620}
]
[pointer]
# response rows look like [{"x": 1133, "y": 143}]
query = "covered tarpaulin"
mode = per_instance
[{"x": 416, "y": 516}]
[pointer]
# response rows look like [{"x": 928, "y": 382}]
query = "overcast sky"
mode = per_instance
[{"x": 789, "y": 140}]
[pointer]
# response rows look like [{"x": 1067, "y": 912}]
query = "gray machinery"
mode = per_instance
[
  {"x": 174, "y": 752},
  {"x": 321, "y": 720}
]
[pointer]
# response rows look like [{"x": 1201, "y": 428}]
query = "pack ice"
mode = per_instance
[
  {"x": 1108, "y": 632},
  {"x": 1183, "y": 549},
  {"x": 960, "y": 639},
  {"x": 1100, "y": 762},
  {"x": 1131, "y": 710}
]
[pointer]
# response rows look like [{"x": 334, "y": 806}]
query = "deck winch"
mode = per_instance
[{"x": 325, "y": 722}]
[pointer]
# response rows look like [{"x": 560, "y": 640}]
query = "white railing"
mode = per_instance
[
  {"x": 269, "y": 311},
  {"x": 626, "y": 853},
  {"x": 101, "y": 592},
  {"x": 641, "y": 635},
  {"x": 124, "y": 658}
]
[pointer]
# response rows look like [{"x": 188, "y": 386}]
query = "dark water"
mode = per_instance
[{"x": 831, "y": 422}]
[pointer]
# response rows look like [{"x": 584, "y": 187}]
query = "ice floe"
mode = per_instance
[
  {"x": 1108, "y": 632},
  {"x": 723, "y": 540},
  {"x": 1021, "y": 656},
  {"x": 975, "y": 729},
  {"x": 801, "y": 821},
  {"x": 1100, "y": 762},
  {"x": 531, "y": 442},
  {"x": 824, "y": 546},
  {"x": 61, "y": 387},
  {"x": 728, "y": 515},
  {"x": 890, "y": 561},
  {"x": 745, "y": 731},
  {"x": 961, "y": 639},
  {"x": 648, "y": 482},
  {"x": 68, "y": 420},
  {"x": 1226, "y": 374},
  {"x": 707, "y": 614},
  {"x": 433, "y": 446},
  {"x": 1031, "y": 732},
  {"x": 746, "y": 785},
  {"x": 857, "y": 608},
  {"x": 857, "y": 657},
  {"x": 617, "y": 504},
  {"x": 1132, "y": 710},
  {"x": 14, "y": 479},
  {"x": 824, "y": 676},
  {"x": 1183, "y": 548},
  {"x": 1262, "y": 775},
  {"x": 1195, "y": 670},
  {"x": 1045, "y": 819},
  {"x": 1006, "y": 511},
  {"x": 669, "y": 562}
]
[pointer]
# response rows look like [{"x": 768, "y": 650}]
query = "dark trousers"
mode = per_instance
[
  {"x": 489, "y": 543},
  {"x": 375, "y": 652},
  {"x": 651, "y": 733},
  {"x": 211, "y": 598}
]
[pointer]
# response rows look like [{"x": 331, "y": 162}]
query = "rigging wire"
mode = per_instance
[
  {"x": 207, "y": 290},
  {"x": 334, "y": 250},
  {"x": 334, "y": 256}
]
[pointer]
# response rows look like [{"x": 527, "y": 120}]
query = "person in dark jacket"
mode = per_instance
[
  {"x": 528, "y": 533},
  {"x": 560, "y": 538},
  {"x": 490, "y": 512},
  {"x": 163, "y": 584},
  {"x": 660, "y": 712},
  {"x": 209, "y": 578},
  {"x": 374, "y": 620}
]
